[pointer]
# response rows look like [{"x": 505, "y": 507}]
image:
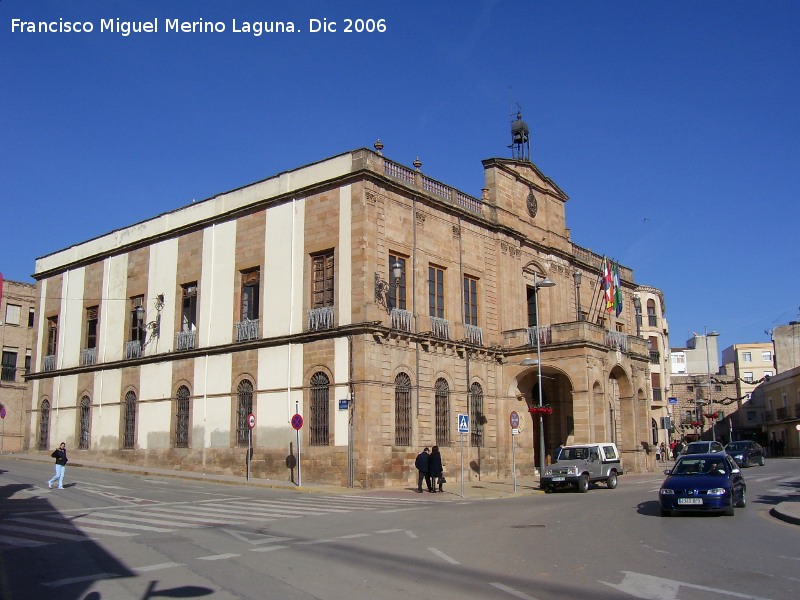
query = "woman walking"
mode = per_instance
[
  {"x": 61, "y": 465},
  {"x": 435, "y": 467}
]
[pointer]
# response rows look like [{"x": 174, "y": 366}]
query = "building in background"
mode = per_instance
[
  {"x": 750, "y": 365},
  {"x": 780, "y": 396},
  {"x": 377, "y": 302},
  {"x": 17, "y": 302}
]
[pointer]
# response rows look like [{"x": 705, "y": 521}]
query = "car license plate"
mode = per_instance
[
  {"x": 690, "y": 500},
  {"x": 558, "y": 479}
]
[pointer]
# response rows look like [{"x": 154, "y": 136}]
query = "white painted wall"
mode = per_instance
[
  {"x": 284, "y": 256},
  {"x": 113, "y": 310},
  {"x": 162, "y": 279},
  {"x": 62, "y": 417},
  {"x": 216, "y": 285},
  {"x": 70, "y": 319},
  {"x": 211, "y": 411},
  {"x": 154, "y": 418},
  {"x": 106, "y": 396}
]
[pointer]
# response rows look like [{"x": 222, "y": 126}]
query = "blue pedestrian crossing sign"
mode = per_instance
[{"x": 463, "y": 423}]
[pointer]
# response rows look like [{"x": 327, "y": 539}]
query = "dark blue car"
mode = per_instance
[
  {"x": 703, "y": 483},
  {"x": 746, "y": 453}
]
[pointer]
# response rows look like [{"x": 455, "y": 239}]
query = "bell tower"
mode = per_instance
[{"x": 520, "y": 139}]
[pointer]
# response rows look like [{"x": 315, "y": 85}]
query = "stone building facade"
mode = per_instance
[
  {"x": 375, "y": 301},
  {"x": 17, "y": 339}
]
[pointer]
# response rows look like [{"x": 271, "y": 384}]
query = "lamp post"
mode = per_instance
[
  {"x": 637, "y": 303},
  {"x": 536, "y": 285},
  {"x": 576, "y": 276},
  {"x": 707, "y": 334}
]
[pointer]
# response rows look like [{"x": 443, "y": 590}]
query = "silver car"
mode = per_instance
[{"x": 702, "y": 448}]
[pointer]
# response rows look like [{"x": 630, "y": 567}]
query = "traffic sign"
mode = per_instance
[
  {"x": 463, "y": 423},
  {"x": 297, "y": 421},
  {"x": 514, "y": 419},
  {"x": 672, "y": 400},
  {"x": 251, "y": 420},
  {"x": 2, "y": 412}
]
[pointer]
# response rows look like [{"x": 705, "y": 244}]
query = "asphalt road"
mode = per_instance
[{"x": 115, "y": 536}]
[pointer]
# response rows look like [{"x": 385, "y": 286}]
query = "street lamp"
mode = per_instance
[
  {"x": 637, "y": 303},
  {"x": 536, "y": 285},
  {"x": 706, "y": 335}
]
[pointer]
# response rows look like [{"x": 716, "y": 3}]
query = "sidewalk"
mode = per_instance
[{"x": 485, "y": 489}]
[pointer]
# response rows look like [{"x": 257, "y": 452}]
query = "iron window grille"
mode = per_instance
[
  {"x": 442, "y": 409},
  {"x": 402, "y": 410},
  {"x": 129, "y": 436},
  {"x": 182, "y": 417},
  {"x": 478, "y": 417},
  {"x": 44, "y": 425},
  {"x": 244, "y": 393},
  {"x": 85, "y": 421},
  {"x": 9, "y": 370},
  {"x": 319, "y": 423}
]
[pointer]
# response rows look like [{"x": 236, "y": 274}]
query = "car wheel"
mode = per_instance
[
  {"x": 583, "y": 484},
  {"x": 666, "y": 513},
  {"x": 548, "y": 489},
  {"x": 743, "y": 500},
  {"x": 761, "y": 461},
  {"x": 611, "y": 481},
  {"x": 729, "y": 512}
]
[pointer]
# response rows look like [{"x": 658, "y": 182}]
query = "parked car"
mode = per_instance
[
  {"x": 702, "y": 447},
  {"x": 703, "y": 482},
  {"x": 582, "y": 464},
  {"x": 746, "y": 453}
]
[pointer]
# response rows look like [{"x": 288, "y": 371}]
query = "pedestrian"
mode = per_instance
[
  {"x": 663, "y": 452},
  {"x": 423, "y": 466},
  {"x": 435, "y": 468},
  {"x": 61, "y": 465},
  {"x": 658, "y": 453},
  {"x": 677, "y": 451}
]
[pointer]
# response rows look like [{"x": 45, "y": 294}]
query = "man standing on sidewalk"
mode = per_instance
[
  {"x": 61, "y": 464},
  {"x": 423, "y": 466}
]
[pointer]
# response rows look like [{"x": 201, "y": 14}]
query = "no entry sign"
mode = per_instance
[{"x": 297, "y": 421}]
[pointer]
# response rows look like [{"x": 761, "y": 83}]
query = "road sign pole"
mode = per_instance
[
  {"x": 249, "y": 445},
  {"x": 514, "y": 460},
  {"x": 299, "y": 475},
  {"x": 462, "y": 465}
]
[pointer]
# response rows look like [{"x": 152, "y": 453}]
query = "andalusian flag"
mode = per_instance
[
  {"x": 608, "y": 284},
  {"x": 617, "y": 289}
]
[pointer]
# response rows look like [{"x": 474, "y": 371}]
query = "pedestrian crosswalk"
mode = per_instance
[{"x": 30, "y": 530}]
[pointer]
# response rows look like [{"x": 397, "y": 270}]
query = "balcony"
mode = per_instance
[
  {"x": 440, "y": 328},
  {"x": 400, "y": 319},
  {"x": 655, "y": 357},
  {"x": 474, "y": 334},
  {"x": 617, "y": 340},
  {"x": 49, "y": 362},
  {"x": 320, "y": 319},
  {"x": 545, "y": 335},
  {"x": 246, "y": 330},
  {"x": 88, "y": 356},
  {"x": 133, "y": 349},
  {"x": 185, "y": 340},
  {"x": 782, "y": 413},
  {"x": 576, "y": 333}
]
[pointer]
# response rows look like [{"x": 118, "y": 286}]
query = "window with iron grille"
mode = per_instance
[
  {"x": 251, "y": 286},
  {"x": 129, "y": 436},
  {"x": 85, "y": 421},
  {"x": 9, "y": 370},
  {"x": 138, "y": 330},
  {"x": 182, "y": 417},
  {"x": 320, "y": 410},
  {"x": 91, "y": 327},
  {"x": 442, "y": 409},
  {"x": 402, "y": 410},
  {"x": 322, "y": 283},
  {"x": 470, "y": 301},
  {"x": 436, "y": 292},
  {"x": 478, "y": 418},
  {"x": 244, "y": 393},
  {"x": 397, "y": 295},
  {"x": 189, "y": 306},
  {"x": 52, "y": 335},
  {"x": 44, "y": 425}
]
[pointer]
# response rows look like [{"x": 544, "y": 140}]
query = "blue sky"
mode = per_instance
[{"x": 674, "y": 127}]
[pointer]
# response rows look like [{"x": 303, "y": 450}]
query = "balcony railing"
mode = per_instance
[
  {"x": 133, "y": 349},
  {"x": 617, "y": 339},
  {"x": 88, "y": 356},
  {"x": 440, "y": 328},
  {"x": 320, "y": 319},
  {"x": 474, "y": 334},
  {"x": 400, "y": 319},
  {"x": 545, "y": 335},
  {"x": 433, "y": 187},
  {"x": 185, "y": 340},
  {"x": 246, "y": 330},
  {"x": 655, "y": 357},
  {"x": 49, "y": 362},
  {"x": 782, "y": 413}
]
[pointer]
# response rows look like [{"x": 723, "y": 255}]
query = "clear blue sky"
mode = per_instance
[{"x": 674, "y": 127}]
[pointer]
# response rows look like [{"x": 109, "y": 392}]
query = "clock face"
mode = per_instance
[{"x": 533, "y": 205}]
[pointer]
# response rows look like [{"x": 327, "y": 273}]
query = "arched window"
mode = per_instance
[
  {"x": 129, "y": 436},
  {"x": 318, "y": 427},
  {"x": 182, "y": 417},
  {"x": 654, "y": 431},
  {"x": 44, "y": 425},
  {"x": 442, "y": 409},
  {"x": 402, "y": 410},
  {"x": 478, "y": 417},
  {"x": 85, "y": 423},
  {"x": 243, "y": 409}
]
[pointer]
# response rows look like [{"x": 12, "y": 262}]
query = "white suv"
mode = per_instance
[{"x": 702, "y": 448}]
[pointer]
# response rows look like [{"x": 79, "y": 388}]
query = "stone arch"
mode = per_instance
[{"x": 620, "y": 395}]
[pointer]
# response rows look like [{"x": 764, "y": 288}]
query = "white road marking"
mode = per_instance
[
  {"x": 218, "y": 556},
  {"x": 312, "y": 542},
  {"x": 13, "y": 541},
  {"x": 444, "y": 556},
  {"x": 268, "y": 548},
  {"x": 789, "y": 557},
  {"x": 411, "y": 534},
  {"x": 512, "y": 591},
  {"x": 353, "y": 536},
  {"x": 649, "y": 587},
  {"x": 396, "y": 510},
  {"x": 157, "y": 567},
  {"x": 388, "y": 531},
  {"x": 81, "y": 579}
]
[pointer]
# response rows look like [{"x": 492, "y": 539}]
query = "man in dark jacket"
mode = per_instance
[
  {"x": 423, "y": 466},
  {"x": 61, "y": 465}
]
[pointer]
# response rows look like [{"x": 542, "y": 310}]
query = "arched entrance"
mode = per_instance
[{"x": 622, "y": 409}]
